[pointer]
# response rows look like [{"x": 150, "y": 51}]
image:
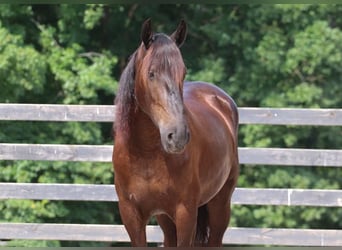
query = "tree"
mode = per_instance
[{"x": 41, "y": 64}]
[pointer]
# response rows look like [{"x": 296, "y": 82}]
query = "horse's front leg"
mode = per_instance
[
  {"x": 186, "y": 219},
  {"x": 134, "y": 222}
]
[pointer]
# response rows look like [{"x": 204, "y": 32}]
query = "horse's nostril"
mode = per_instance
[{"x": 170, "y": 136}]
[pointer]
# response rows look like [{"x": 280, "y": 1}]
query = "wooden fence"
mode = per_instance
[{"x": 98, "y": 153}]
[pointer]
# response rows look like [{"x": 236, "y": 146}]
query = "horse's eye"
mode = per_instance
[{"x": 151, "y": 75}]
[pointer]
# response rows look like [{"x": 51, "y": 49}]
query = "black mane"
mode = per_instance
[{"x": 125, "y": 95}]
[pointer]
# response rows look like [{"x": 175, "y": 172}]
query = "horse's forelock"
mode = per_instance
[{"x": 165, "y": 55}]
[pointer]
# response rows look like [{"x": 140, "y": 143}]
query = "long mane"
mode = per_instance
[{"x": 125, "y": 96}]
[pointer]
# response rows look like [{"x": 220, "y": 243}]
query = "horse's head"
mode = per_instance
[{"x": 159, "y": 77}]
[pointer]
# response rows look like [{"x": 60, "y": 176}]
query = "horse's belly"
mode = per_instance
[
  {"x": 214, "y": 156},
  {"x": 216, "y": 164},
  {"x": 212, "y": 179},
  {"x": 214, "y": 122}
]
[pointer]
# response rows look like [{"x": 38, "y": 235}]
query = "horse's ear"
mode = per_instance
[
  {"x": 146, "y": 33},
  {"x": 180, "y": 34}
]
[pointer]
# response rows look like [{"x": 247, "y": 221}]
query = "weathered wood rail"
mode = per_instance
[
  {"x": 242, "y": 196},
  {"x": 106, "y": 113},
  {"x": 102, "y": 153}
]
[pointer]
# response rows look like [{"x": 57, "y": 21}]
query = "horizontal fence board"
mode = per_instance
[
  {"x": 106, "y": 113},
  {"x": 291, "y": 157},
  {"x": 284, "y": 237},
  {"x": 117, "y": 233},
  {"x": 43, "y": 191},
  {"x": 56, "y": 152},
  {"x": 289, "y": 197},
  {"x": 291, "y": 116},
  {"x": 241, "y": 196},
  {"x": 101, "y": 153},
  {"x": 56, "y": 112}
]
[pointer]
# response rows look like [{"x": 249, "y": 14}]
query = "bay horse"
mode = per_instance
[{"x": 175, "y": 146}]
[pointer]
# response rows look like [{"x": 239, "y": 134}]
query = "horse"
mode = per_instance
[{"x": 175, "y": 151}]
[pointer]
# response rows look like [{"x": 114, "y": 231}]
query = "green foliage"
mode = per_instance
[
  {"x": 33, "y": 243},
  {"x": 93, "y": 15},
  {"x": 80, "y": 74},
  {"x": 28, "y": 211},
  {"x": 211, "y": 70},
  {"x": 22, "y": 68},
  {"x": 262, "y": 55},
  {"x": 53, "y": 67}
]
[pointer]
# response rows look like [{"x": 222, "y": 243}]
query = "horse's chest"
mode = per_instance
[
  {"x": 151, "y": 183},
  {"x": 147, "y": 180},
  {"x": 152, "y": 195}
]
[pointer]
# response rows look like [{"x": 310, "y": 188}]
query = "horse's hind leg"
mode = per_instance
[
  {"x": 219, "y": 213},
  {"x": 169, "y": 230}
]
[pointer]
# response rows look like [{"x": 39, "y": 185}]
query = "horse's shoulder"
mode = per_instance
[{"x": 203, "y": 93}]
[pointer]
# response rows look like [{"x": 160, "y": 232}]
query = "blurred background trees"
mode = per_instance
[{"x": 262, "y": 55}]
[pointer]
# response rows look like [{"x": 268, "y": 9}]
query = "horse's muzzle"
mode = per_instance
[{"x": 175, "y": 138}]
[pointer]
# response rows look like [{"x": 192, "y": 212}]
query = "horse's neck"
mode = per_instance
[{"x": 144, "y": 136}]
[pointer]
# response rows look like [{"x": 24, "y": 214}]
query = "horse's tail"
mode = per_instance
[{"x": 202, "y": 229}]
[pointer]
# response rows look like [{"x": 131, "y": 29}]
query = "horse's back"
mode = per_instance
[{"x": 213, "y": 121}]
